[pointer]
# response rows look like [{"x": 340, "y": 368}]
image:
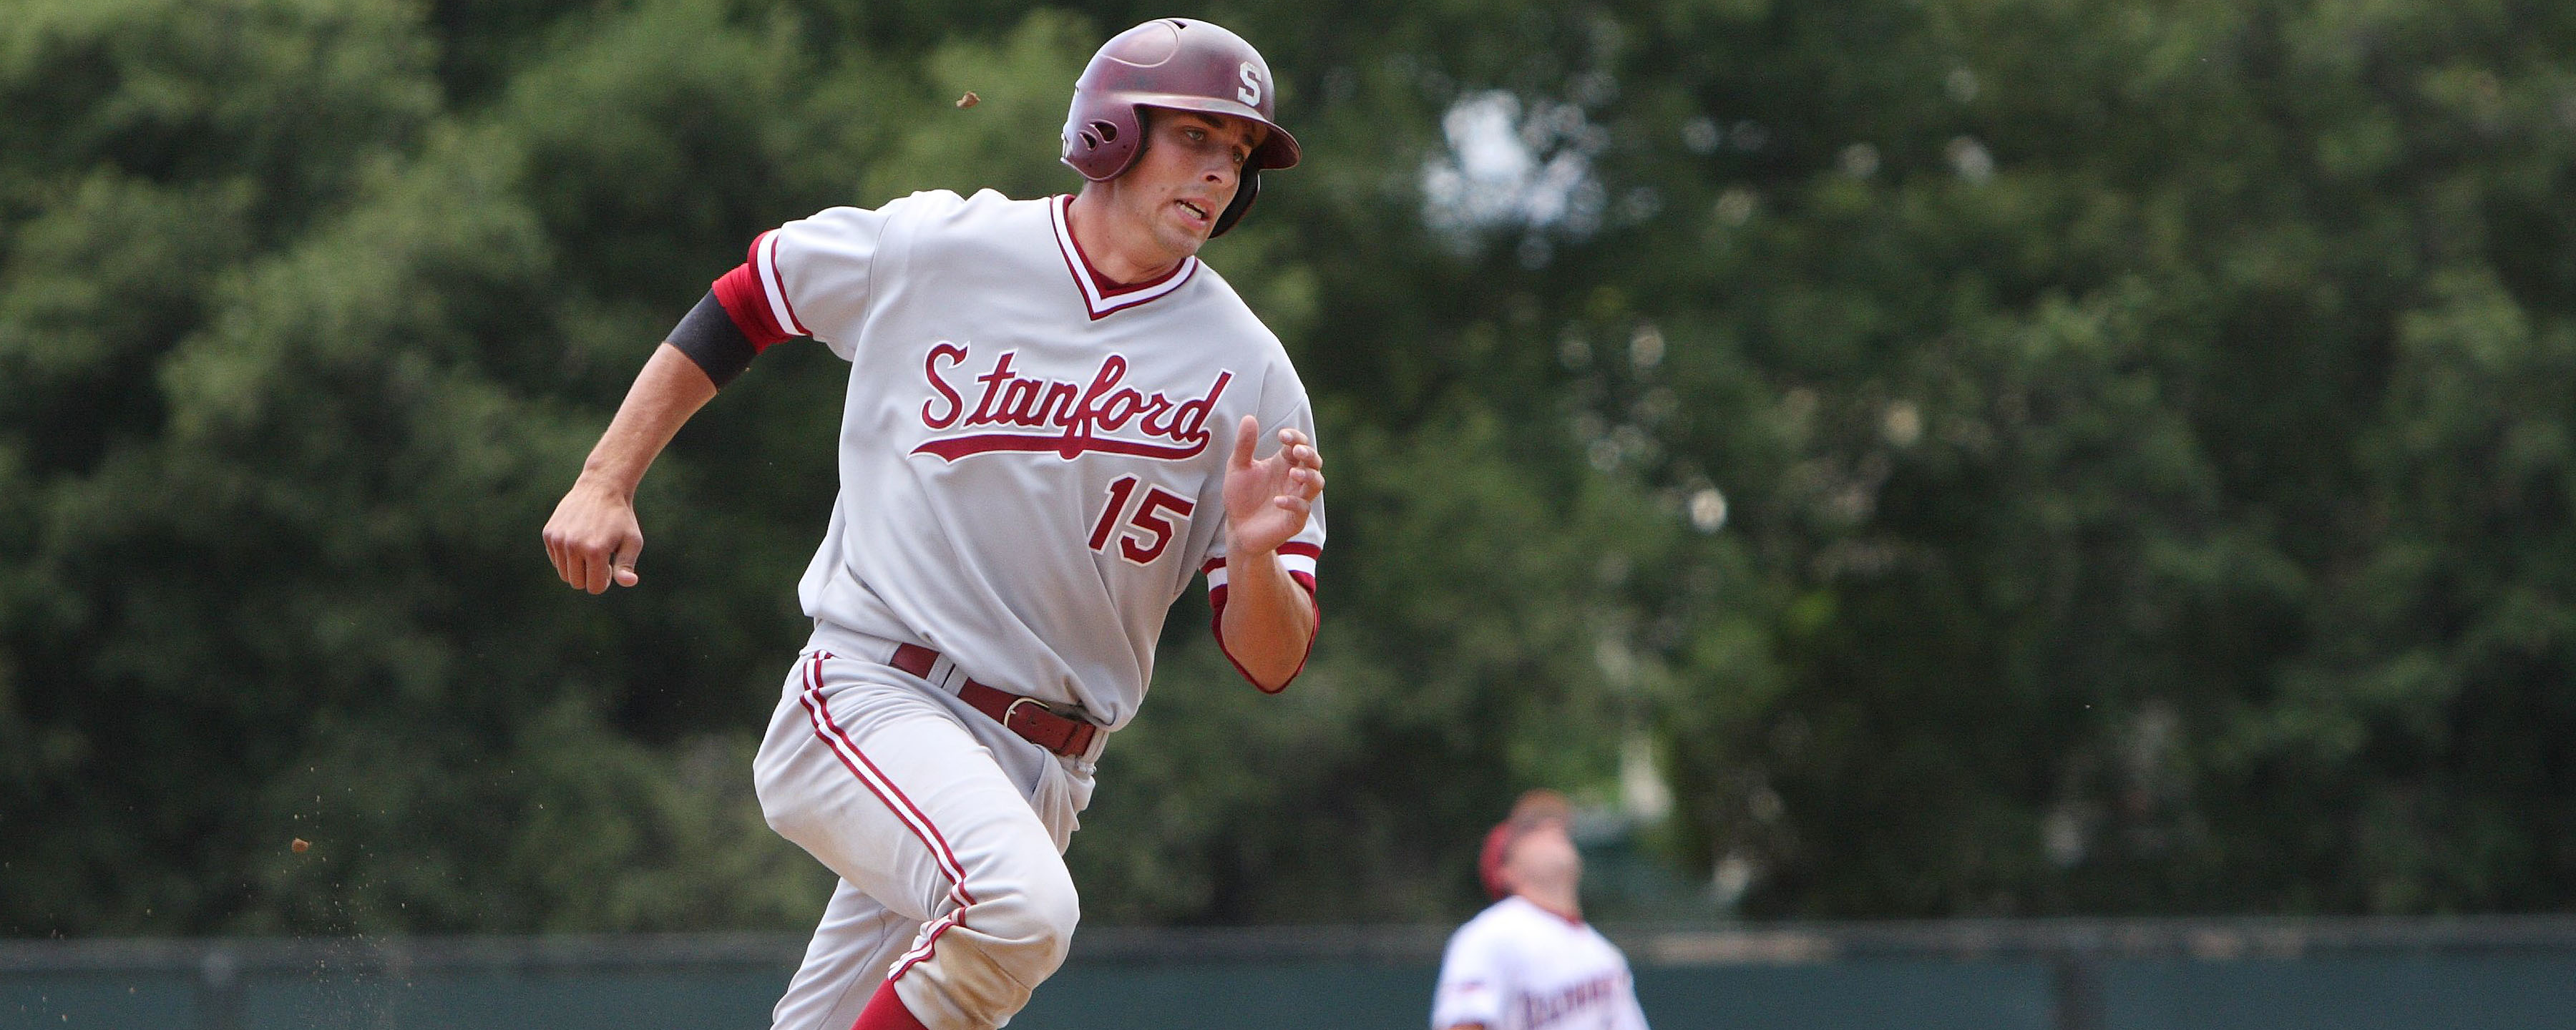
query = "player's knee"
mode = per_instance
[
  {"x": 1056, "y": 909},
  {"x": 1032, "y": 927}
]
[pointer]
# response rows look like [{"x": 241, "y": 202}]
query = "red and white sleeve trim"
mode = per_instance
[
  {"x": 764, "y": 255},
  {"x": 1298, "y": 558},
  {"x": 755, "y": 295}
]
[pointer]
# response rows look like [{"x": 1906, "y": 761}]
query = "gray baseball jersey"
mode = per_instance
[{"x": 1032, "y": 460}]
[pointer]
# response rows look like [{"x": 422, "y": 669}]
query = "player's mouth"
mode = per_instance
[{"x": 1197, "y": 214}]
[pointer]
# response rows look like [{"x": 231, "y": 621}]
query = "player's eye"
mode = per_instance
[{"x": 1195, "y": 135}]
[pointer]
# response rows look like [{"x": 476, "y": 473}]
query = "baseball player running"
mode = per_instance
[
  {"x": 1055, "y": 419},
  {"x": 1529, "y": 961}
]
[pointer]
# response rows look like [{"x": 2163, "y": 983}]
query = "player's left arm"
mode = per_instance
[{"x": 1268, "y": 622}]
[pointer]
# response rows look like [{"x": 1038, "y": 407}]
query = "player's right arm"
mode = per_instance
[
  {"x": 593, "y": 538},
  {"x": 810, "y": 269},
  {"x": 1474, "y": 980}
]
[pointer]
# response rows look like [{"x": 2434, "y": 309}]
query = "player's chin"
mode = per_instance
[
  {"x": 1183, "y": 239},
  {"x": 1182, "y": 227}
]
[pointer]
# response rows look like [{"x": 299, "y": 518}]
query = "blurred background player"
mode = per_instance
[{"x": 1529, "y": 961}]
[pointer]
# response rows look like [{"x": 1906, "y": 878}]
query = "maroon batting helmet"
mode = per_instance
[{"x": 1176, "y": 65}]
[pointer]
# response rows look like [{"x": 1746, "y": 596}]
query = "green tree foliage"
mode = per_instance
[
  {"x": 2105, "y": 588},
  {"x": 1992, "y": 455}
]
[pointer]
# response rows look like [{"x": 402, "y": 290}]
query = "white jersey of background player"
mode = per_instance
[
  {"x": 1529, "y": 962},
  {"x": 1051, "y": 428}
]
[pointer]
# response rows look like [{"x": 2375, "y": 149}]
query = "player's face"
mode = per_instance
[
  {"x": 1189, "y": 172},
  {"x": 1544, "y": 858}
]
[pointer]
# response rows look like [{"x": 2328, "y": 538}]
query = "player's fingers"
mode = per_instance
[
  {"x": 594, "y": 572},
  {"x": 622, "y": 567},
  {"x": 1305, "y": 488},
  {"x": 1245, "y": 432},
  {"x": 1314, "y": 483},
  {"x": 1293, "y": 503},
  {"x": 567, "y": 563}
]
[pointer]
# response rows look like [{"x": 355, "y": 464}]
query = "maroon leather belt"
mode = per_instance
[{"x": 1026, "y": 716}]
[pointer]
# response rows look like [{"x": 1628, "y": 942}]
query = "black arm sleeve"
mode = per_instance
[{"x": 709, "y": 337}]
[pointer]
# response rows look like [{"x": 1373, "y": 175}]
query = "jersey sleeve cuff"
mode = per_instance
[
  {"x": 1299, "y": 559},
  {"x": 746, "y": 300}
]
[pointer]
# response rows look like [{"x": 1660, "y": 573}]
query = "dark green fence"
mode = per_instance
[{"x": 2467, "y": 974}]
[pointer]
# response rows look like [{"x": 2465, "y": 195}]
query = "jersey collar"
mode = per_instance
[
  {"x": 1099, "y": 296},
  {"x": 1575, "y": 922}
]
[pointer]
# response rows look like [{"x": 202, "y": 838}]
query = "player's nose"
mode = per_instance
[
  {"x": 1220, "y": 186},
  {"x": 1219, "y": 167}
]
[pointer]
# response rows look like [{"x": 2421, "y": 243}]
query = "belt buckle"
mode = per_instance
[{"x": 1014, "y": 710}]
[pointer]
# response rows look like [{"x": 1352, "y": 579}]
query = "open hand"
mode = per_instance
[{"x": 1267, "y": 501}]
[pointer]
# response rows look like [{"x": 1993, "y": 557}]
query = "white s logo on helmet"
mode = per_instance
[{"x": 1250, "y": 94}]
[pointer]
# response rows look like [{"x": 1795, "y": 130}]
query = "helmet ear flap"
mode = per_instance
[
  {"x": 1100, "y": 139},
  {"x": 1245, "y": 189}
]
